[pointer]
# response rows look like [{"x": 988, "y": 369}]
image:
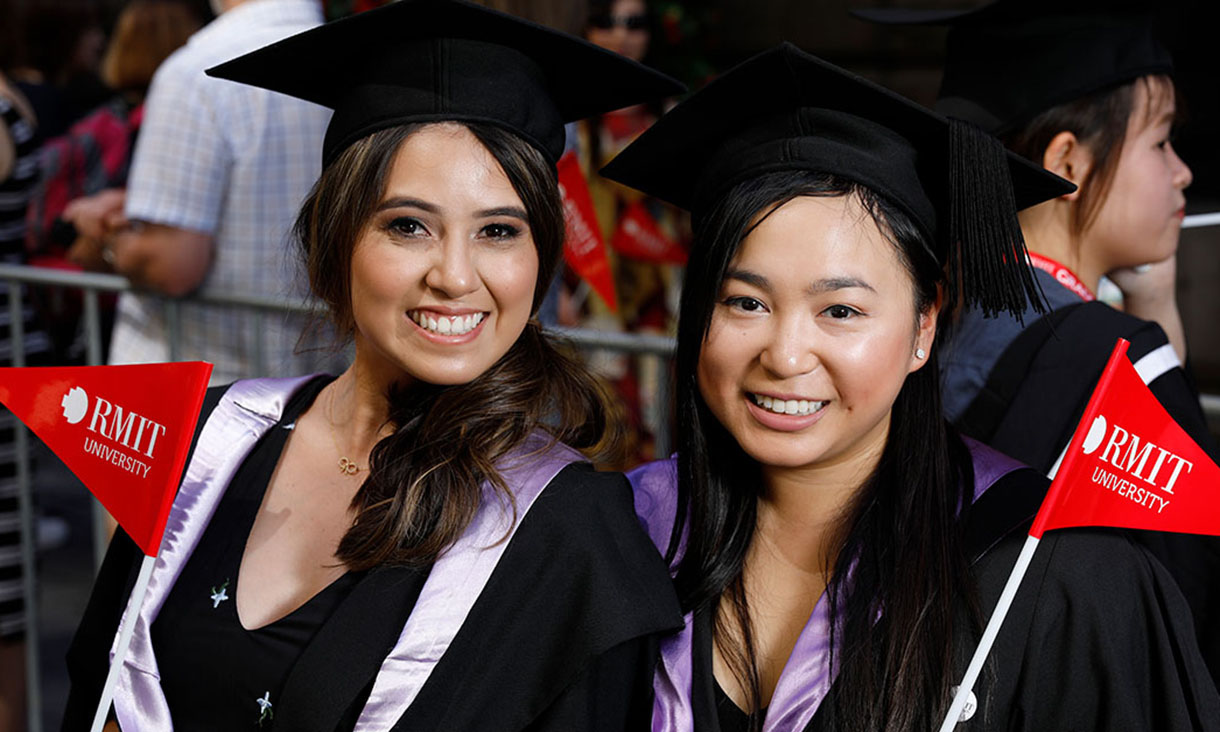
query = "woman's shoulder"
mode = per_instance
[
  {"x": 586, "y": 518},
  {"x": 1091, "y": 590},
  {"x": 1097, "y": 567},
  {"x": 654, "y": 487},
  {"x": 1094, "y": 327},
  {"x": 1098, "y": 637},
  {"x": 585, "y": 504}
]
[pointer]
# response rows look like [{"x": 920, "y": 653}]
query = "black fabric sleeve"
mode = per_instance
[
  {"x": 1098, "y": 638},
  {"x": 562, "y": 635},
  {"x": 613, "y": 694},
  {"x": 1035, "y": 398}
]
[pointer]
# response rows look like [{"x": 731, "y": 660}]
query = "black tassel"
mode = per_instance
[{"x": 987, "y": 260}]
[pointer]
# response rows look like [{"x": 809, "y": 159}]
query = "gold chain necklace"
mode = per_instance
[{"x": 346, "y": 466}]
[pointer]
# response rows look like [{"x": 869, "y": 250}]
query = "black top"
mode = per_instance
[
  {"x": 732, "y": 718},
  {"x": 1098, "y": 636},
  {"x": 220, "y": 675},
  {"x": 431, "y": 60},
  {"x": 549, "y": 645}
]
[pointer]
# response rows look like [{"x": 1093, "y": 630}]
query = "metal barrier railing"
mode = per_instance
[{"x": 93, "y": 285}]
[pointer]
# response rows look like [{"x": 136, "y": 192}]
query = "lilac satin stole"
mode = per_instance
[
  {"x": 808, "y": 674},
  {"x": 458, "y": 578},
  {"x": 246, "y": 411}
]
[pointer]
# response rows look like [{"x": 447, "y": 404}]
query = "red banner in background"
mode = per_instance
[
  {"x": 123, "y": 430},
  {"x": 640, "y": 236},
  {"x": 583, "y": 248},
  {"x": 1130, "y": 465}
]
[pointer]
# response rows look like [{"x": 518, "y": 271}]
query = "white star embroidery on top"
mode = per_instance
[
  {"x": 219, "y": 596},
  {"x": 264, "y": 707}
]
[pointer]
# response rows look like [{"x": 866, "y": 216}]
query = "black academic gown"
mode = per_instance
[
  {"x": 1035, "y": 396},
  {"x": 563, "y": 637},
  {"x": 1098, "y": 636}
]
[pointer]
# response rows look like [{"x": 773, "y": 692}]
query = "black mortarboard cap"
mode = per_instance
[
  {"x": 787, "y": 110},
  {"x": 434, "y": 60},
  {"x": 1009, "y": 60}
]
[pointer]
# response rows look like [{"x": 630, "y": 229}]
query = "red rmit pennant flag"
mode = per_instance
[
  {"x": 123, "y": 430},
  {"x": 1130, "y": 465},
  {"x": 583, "y": 248},
  {"x": 639, "y": 236}
]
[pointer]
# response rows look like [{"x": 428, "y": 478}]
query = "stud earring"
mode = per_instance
[{"x": 920, "y": 354}]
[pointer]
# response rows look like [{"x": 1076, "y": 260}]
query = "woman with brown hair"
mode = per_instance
[
  {"x": 146, "y": 33},
  {"x": 417, "y": 543}
]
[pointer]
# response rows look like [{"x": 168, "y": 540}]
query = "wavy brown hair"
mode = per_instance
[{"x": 424, "y": 482}]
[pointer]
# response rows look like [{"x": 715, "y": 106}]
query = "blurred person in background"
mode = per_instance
[
  {"x": 62, "y": 43},
  {"x": 18, "y": 173},
  {"x": 1084, "y": 89},
  {"x": 564, "y": 15},
  {"x": 646, "y": 238},
  {"x": 218, "y": 172},
  {"x": 79, "y": 167}
]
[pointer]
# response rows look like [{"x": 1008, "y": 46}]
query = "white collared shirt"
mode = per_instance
[{"x": 235, "y": 162}]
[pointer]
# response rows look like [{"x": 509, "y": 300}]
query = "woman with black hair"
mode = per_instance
[
  {"x": 835, "y": 544},
  {"x": 1085, "y": 90},
  {"x": 416, "y": 544}
]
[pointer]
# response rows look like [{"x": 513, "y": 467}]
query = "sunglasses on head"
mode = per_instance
[{"x": 630, "y": 22}]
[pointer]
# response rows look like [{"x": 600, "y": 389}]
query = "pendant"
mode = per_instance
[{"x": 347, "y": 467}]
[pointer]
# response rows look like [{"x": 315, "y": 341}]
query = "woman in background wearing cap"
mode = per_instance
[
  {"x": 1082, "y": 88},
  {"x": 836, "y": 541},
  {"x": 410, "y": 545}
]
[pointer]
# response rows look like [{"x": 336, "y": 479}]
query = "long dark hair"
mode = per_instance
[
  {"x": 424, "y": 480},
  {"x": 900, "y": 549}
]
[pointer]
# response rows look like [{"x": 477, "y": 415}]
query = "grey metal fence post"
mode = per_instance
[
  {"x": 29, "y": 540},
  {"x": 258, "y": 351},
  {"x": 93, "y": 357},
  {"x": 662, "y": 444},
  {"x": 173, "y": 328}
]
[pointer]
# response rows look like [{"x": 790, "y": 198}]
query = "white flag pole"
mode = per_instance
[
  {"x": 127, "y": 628},
  {"x": 989, "y": 634}
]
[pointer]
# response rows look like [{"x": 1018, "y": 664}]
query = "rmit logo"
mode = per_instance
[
  {"x": 75, "y": 404},
  {"x": 111, "y": 421},
  {"x": 1128, "y": 452}
]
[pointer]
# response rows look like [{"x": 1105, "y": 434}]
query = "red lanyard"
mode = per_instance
[{"x": 1062, "y": 275}]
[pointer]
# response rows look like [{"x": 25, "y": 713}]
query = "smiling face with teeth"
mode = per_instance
[
  {"x": 443, "y": 274},
  {"x": 812, "y": 337}
]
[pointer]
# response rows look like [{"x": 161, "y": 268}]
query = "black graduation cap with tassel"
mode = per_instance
[{"x": 788, "y": 110}]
